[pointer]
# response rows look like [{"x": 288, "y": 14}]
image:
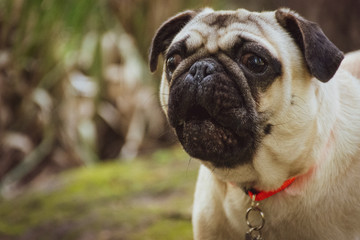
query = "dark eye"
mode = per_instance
[
  {"x": 254, "y": 63},
  {"x": 172, "y": 62}
]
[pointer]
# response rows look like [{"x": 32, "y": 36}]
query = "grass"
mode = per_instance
[{"x": 148, "y": 198}]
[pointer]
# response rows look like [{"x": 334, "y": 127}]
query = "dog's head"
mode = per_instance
[{"x": 238, "y": 88}]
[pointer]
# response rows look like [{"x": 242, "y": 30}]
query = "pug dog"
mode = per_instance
[{"x": 264, "y": 101}]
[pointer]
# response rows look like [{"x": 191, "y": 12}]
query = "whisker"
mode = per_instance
[
  {"x": 188, "y": 165},
  {"x": 213, "y": 170}
]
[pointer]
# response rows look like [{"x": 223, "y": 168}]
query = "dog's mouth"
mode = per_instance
[
  {"x": 214, "y": 139},
  {"x": 197, "y": 113}
]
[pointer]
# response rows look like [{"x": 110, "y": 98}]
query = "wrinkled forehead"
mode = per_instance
[{"x": 221, "y": 30}]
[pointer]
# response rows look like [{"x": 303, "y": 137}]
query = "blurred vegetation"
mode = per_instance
[
  {"x": 75, "y": 90},
  {"x": 72, "y": 82}
]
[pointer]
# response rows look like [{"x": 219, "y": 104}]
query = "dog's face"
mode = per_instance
[{"x": 238, "y": 89}]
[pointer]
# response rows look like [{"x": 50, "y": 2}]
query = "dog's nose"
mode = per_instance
[{"x": 202, "y": 69}]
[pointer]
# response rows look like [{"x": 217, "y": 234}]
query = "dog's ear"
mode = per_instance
[
  {"x": 165, "y": 34},
  {"x": 322, "y": 57}
]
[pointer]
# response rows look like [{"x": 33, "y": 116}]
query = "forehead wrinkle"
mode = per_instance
[
  {"x": 250, "y": 24},
  {"x": 236, "y": 32},
  {"x": 195, "y": 40},
  {"x": 213, "y": 39},
  {"x": 212, "y": 42},
  {"x": 202, "y": 36},
  {"x": 227, "y": 41},
  {"x": 231, "y": 35}
]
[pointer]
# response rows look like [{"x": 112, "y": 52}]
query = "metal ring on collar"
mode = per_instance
[{"x": 256, "y": 209}]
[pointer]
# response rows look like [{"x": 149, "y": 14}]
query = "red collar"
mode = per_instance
[{"x": 261, "y": 195}]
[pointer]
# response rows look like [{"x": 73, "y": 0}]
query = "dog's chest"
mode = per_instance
[{"x": 299, "y": 219}]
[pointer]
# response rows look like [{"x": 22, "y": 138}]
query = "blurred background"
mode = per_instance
[{"x": 85, "y": 150}]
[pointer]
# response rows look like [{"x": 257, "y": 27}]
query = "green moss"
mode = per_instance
[
  {"x": 135, "y": 198},
  {"x": 166, "y": 229}
]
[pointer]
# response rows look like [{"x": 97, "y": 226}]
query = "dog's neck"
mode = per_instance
[
  {"x": 261, "y": 195},
  {"x": 298, "y": 186}
]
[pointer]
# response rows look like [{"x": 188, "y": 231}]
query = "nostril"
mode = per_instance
[
  {"x": 210, "y": 69},
  {"x": 193, "y": 70}
]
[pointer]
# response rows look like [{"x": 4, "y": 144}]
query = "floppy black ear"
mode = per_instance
[
  {"x": 322, "y": 57},
  {"x": 165, "y": 34}
]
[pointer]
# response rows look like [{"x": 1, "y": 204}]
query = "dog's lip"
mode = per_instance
[
  {"x": 200, "y": 122},
  {"x": 207, "y": 140},
  {"x": 198, "y": 114}
]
